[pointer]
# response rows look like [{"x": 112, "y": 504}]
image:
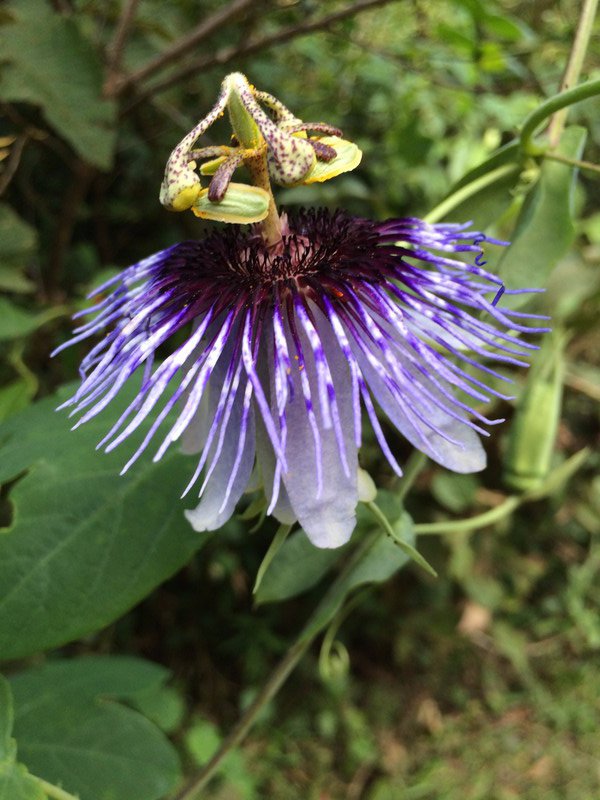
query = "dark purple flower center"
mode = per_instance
[{"x": 320, "y": 251}]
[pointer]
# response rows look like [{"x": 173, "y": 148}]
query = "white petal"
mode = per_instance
[
  {"x": 465, "y": 455},
  {"x": 328, "y": 517},
  {"x": 265, "y": 457},
  {"x": 216, "y": 506}
]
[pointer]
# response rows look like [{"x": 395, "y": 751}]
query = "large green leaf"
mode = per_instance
[
  {"x": 544, "y": 230},
  {"x": 71, "y": 733},
  {"x": 85, "y": 544},
  {"x": 48, "y": 62},
  {"x": 15, "y": 781}
]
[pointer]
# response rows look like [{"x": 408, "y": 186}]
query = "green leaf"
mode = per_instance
[
  {"x": 15, "y": 396},
  {"x": 488, "y": 204},
  {"x": 13, "y": 281},
  {"x": 274, "y": 547},
  {"x": 296, "y": 567},
  {"x": 398, "y": 531},
  {"x": 48, "y": 62},
  {"x": 454, "y": 491},
  {"x": 16, "y": 322},
  {"x": 544, "y": 230},
  {"x": 164, "y": 705},
  {"x": 18, "y": 242},
  {"x": 6, "y": 720},
  {"x": 202, "y": 741},
  {"x": 490, "y": 198},
  {"x": 85, "y": 544},
  {"x": 379, "y": 559},
  {"x": 73, "y": 734},
  {"x": 508, "y": 154},
  {"x": 15, "y": 782}
]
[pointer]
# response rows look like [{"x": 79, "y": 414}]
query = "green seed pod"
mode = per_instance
[{"x": 535, "y": 424}]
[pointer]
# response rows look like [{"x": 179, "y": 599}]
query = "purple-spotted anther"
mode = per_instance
[{"x": 288, "y": 330}]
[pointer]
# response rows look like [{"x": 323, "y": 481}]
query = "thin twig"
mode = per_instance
[
  {"x": 182, "y": 45},
  {"x": 574, "y": 66},
  {"x": 227, "y": 54},
  {"x": 115, "y": 49}
]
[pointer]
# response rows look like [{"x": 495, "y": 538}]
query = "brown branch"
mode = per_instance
[
  {"x": 182, "y": 45},
  {"x": 116, "y": 47},
  {"x": 227, "y": 54}
]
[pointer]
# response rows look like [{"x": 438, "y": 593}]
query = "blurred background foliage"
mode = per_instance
[{"x": 480, "y": 684}]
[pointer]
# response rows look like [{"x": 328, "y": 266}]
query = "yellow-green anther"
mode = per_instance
[
  {"x": 210, "y": 167},
  {"x": 181, "y": 185},
  {"x": 241, "y": 204},
  {"x": 348, "y": 157},
  {"x": 535, "y": 424}
]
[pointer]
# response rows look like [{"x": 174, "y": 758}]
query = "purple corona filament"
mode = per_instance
[{"x": 280, "y": 349}]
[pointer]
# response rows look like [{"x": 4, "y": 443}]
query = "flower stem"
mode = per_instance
[
  {"x": 473, "y": 523},
  {"x": 573, "y": 70},
  {"x": 54, "y": 792},
  {"x": 556, "y": 103},
  {"x": 259, "y": 172}
]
